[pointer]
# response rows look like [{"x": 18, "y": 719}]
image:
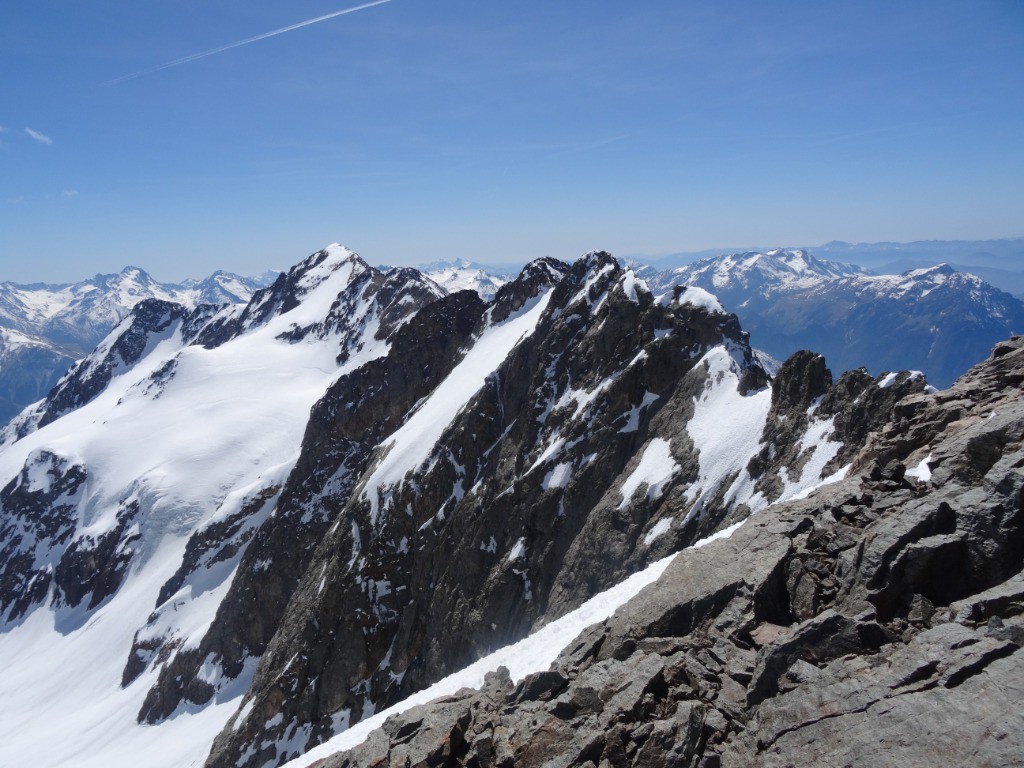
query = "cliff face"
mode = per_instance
[
  {"x": 879, "y": 621},
  {"x": 577, "y": 430}
]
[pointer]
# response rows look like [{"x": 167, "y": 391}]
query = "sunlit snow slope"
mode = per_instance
[{"x": 175, "y": 441}]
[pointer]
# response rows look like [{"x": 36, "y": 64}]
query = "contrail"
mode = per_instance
[{"x": 240, "y": 43}]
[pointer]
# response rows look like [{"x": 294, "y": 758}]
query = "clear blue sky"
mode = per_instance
[{"x": 417, "y": 130}]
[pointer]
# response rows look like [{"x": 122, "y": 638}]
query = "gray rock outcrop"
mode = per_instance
[{"x": 880, "y": 621}]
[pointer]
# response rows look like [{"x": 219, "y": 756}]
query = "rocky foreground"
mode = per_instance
[{"x": 878, "y": 622}]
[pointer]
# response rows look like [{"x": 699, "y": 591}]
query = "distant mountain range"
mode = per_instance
[
  {"x": 1000, "y": 262},
  {"x": 939, "y": 319},
  {"x": 460, "y": 275},
  {"x": 935, "y": 319}
]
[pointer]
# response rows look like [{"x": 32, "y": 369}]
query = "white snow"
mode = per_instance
[
  {"x": 517, "y": 551},
  {"x": 698, "y": 297},
  {"x": 655, "y": 468},
  {"x": 558, "y": 477},
  {"x": 817, "y": 438},
  {"x": 660, "y": 528},
  {"x": 228, "y": 424},
  {"x": 462, "y": 277},
  {"x": 61, "y": 703},
  {"x": 631, "y": 284},
  {"x": 726, "y": 429},
  {"x": 410, "y": 445},
  {"x": 922, "y": 471},
  {"x": 888, "y": 380},
  {"x": 633, "y": 416}
]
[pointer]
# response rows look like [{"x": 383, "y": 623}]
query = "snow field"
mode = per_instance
[{"x": 726, "y": 429}]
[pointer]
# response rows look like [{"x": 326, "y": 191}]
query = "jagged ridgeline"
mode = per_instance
[
  {"x": 279, "y": 518},
  {"x": 878, "y": 622}
]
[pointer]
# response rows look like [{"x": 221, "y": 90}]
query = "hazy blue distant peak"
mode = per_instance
[
  {"x": 461, "y": 264},
  {"x": 1004, "y": 253}
]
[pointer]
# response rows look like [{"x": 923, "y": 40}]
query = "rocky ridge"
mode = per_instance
[
  {"x": 878, "y": 621},
  {"x": 358, "y": 484},
  {"x": 564, "y": 473}
]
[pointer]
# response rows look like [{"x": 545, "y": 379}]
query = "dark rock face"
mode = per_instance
[
  {"x": 37, "y": 512},
  {"x": 804, "y": 394},
  {"x": 879, "y": 621},
  {"x": 93, "y": 566},
  {"x": 40, "y": 547},
  {"x": 518, "y": 513},
  {"x": 401, "y": 560}
]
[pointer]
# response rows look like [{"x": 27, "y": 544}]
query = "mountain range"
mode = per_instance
[
  {"x": 234, "y": 532},
  {"x": 461, "y": 275},
  {"x": 44, "y": 328},
  {"x": 942, "y": 319},
  {"x": 933, "y": 319}
]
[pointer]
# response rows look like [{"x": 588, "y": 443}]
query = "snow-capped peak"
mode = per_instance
[{"x": 462, "y": 274}]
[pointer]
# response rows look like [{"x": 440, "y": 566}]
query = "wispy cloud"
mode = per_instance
[
  {"x": 42, "y": 138},
  {"x": 70, "y": 192},
  {"x": 3, "y": 129},
  {"x": 240, "y": 43}
]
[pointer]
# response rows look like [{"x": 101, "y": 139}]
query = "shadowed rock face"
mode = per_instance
[
  {"x": 517, "y": 514},
  {"x": 878, "y": 622}
]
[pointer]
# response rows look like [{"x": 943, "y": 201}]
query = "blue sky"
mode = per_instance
[{"x": 500, "y": 132}]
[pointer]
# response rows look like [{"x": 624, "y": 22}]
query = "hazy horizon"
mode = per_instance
[
  {"x": 160, "y": 273},
  {"x": 239, "y": 136}
]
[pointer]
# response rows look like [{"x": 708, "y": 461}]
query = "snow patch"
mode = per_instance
[
  {"x": 922, "y": 472},
  {"x": 726, "y": 429},
  {"x": 558, "y": 477},
  {"x": 656, "y": 468},
  {"x": 660, "y": 528},
  {"x": 698, "y": 297},
  {"x": 518, "y": 550}
]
